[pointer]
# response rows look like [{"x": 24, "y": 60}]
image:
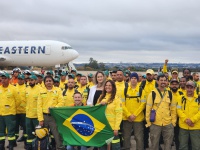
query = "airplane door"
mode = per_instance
[{"x": 48, "y": 50}]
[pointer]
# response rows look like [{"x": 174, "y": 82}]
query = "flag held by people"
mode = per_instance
[{"x": 83, "y": 126}]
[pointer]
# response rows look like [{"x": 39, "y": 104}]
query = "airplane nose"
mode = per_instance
[{"x": 75, "y": 54}]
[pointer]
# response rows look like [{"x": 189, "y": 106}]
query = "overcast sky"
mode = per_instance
[{"x": 109, "y": 30}]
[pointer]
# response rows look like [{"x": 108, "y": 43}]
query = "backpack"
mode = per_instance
[
  {"x": 41, "y": 144},
  {"x": 154, "y": 96},
  {"x": 65, "y": 91},
  {"x": 184, "y": 100},
  {"x": 143, "y": 83},
  {"x": 126, "y": 89}
]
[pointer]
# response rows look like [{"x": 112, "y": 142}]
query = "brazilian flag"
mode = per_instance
[{"x": 83, "y": 125}]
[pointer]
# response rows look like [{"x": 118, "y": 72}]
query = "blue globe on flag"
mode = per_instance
[{"x": 83, "y": 124}]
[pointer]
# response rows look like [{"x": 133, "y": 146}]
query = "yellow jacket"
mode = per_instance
[
  {"x": 48, "y": 99},
  {"x": 182, "y": 90},
  {"x": 165, "y": 113},
  {"x": 31, "y": 101},
  {"x": 21, "y": 109},
  {"x": 9, "y": 100},
  {"x": 191, "y": 111},
  {"x": 68, "y": 97},
  {"x": 120, "y": 88},
  {"x": 113, "y": 112},
  {"x": 149, "y": 86},
  {"x": 84, "y": 91},
  {"x": 62, "y": 84},
  {"x": 134, "y": 106}
]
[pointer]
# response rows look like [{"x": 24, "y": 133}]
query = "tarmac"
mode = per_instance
[{"x": 20, "y": 145}]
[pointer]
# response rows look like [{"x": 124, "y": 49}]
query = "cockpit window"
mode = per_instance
[{"x": 66, "y": 47}]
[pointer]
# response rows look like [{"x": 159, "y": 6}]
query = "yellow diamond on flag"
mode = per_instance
[{"x": 84, "y": 125}]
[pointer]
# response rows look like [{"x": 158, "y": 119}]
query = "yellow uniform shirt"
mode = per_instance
[
  {"x": 62, "y": 84},
  {"x": 149, "y": 86},
  {"x": 90, "y": 84},
  {"x": 135, "y": 105},
  {"x": 165, "y": 113},
  {"x": 113, "y": 112},
  {"x": 68, "y": 97},
  {"x": 189, "y": 108},
  {"x": 183, "y": 91},
  {"x": 9, "y": 100},
  {"x": 48, "y": 99},
  {"x": 84, "y": 91},
  {"x": 31, "y": 101},
  {"x": 120, "y": 89},
  {"x": 21, "y": 109}
]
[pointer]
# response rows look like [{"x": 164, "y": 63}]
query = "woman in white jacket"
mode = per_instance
[{"x": 96, "y": 90}]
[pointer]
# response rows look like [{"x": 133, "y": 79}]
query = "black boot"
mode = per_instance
[
  {"x": 2, "y": 145},
  {"x": 14, "y": 144},
  {"x": 11, "y": 144},
  {"x": 28, "y": 146},
  {"x": 21, "y": 139},
  {"x": 25, "y": 143}
]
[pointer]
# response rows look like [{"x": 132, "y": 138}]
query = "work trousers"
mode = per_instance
[
  {"x": 184, "y": 136},
  {"x": 49, "y": 122},
  {"x": 20, "y": 121},
  {"x": 8, "y": 122},
  {"x": 31, "y": 123},
  {"x": 138, "y": 130},
  {"x": 167, "y": 133}
]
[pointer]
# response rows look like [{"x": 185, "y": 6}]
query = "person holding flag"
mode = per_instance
[{"x": 113, "y": 112}]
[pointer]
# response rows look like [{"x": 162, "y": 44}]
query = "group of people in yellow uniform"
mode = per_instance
[{"x": 160, "y": 106}]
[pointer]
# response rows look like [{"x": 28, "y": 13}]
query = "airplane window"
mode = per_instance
[{"x": 66, "y": 47}]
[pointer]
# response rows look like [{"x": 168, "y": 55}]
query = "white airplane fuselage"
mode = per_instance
[{"x": 35, "y": 53}]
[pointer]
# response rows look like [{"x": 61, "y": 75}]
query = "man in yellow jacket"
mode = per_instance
[
  {"x": 50, "y": 97},
  {"x": 133, "y": 115},
  {"x": 32, "y": 93},
  {"x": 163, "y": 121},
  {"x": 21, "y": 110},
  {"x": 9, "y": 101},
  {"x": 188, "y": 109}
]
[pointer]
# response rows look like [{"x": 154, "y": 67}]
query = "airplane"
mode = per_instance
[{"x": 36, "y": 53}]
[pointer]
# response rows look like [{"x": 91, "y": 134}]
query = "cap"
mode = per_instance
[
  {"x": 90, "y": 75},
  {"x": 175, "y": 71},
  {"x": 144, "y": 76},
  {"x": 56, "y": 79},
  {"x": 35, "y": 72},
  {"x": 5, "y": 74},
  {"x": 16, "y": 70},
  {"x": 106, "y": 73},
  {"x": 21, "y": 76},
  {"x": 63, "y": 74},
  {"x": 134, "y": 74},
  {"x": 71, "y": 76},
  {"x": 78, "y": 74},
  {"x": 190, "y": 83},
  {"x": 40, "y": 75},
  {"x": 27, "y": 72},
  {"x": 150, "y": 71},
  {"x": 174, "y": 80},
  {"x": 73, "y": 70},
  {"x": 33, "y": 77},
  {"x": 50, "y": 72}
]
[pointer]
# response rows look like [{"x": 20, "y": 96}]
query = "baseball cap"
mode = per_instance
[
  {"x": 50, "y": 72},
  {"x": 33, "y": 77},
  {"x": 78, "y": 74},
  {"x": 190, "y": 83},
  {"x": 71, "y": 76},
  {"x": 150, "y": 71},
  {"x": 5, "y": 74},
  {"x": 90, "y": 75},
  {"x": 21, "y": 76},
  {"x": 174, "y": 80},
  {"x": 63, "y": 74},
  {"x": 56, "y": 79},
  {"x": 175, "y": 71}
]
